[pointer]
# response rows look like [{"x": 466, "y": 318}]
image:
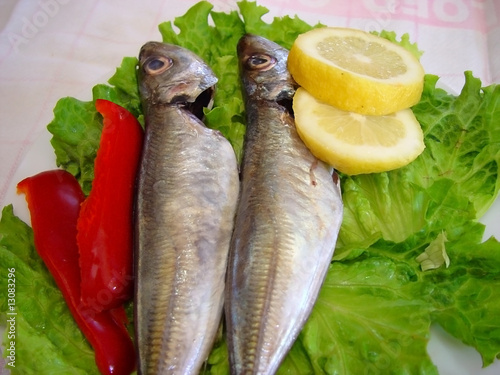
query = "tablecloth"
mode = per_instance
[{"x": 55, "y": 48}]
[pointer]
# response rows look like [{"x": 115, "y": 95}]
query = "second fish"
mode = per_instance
[{"x": 287, "y": 220}]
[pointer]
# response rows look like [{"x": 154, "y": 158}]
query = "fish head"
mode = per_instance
[
  {"x": 263, "y": 66},
  {"x": 170, "y": 74}
]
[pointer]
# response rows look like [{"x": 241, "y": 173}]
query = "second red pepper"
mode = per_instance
[{"x": 105, "y": 225}]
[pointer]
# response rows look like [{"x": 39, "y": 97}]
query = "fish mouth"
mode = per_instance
[
  {"x": 287, "y": 103},
  {"x": 204, "y": 100}
]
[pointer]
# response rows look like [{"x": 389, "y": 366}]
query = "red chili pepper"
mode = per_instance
[
  {"x": 54, "y": 199},
  {"x": 105, "y": 225}
]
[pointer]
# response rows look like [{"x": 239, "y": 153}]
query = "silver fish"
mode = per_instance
[
  {"x": 287, "y": 221},
  {"x": 186, "y": 200}
]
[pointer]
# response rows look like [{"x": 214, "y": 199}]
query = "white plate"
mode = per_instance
[{"x": 450, "y": 356}]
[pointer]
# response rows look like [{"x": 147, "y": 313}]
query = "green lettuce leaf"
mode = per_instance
[
  {"x": 375, "y": 312},
  {"x": 47, "y": 339},
  {"x": 376, "y": 307},
  {"x": 77, "y": 126},
  {"x": 455, "y": 179},
  {"x": 466, "y": 296},
  {"x": 462, "y": 140}
]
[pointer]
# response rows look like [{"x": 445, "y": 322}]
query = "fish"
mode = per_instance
[
  {"x": 187, "y": 192},
  {"x": 287, "y": 221}
]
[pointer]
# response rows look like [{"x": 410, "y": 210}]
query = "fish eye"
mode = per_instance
[
  {"x": 261, "y": 62},
  {"x": 157, "y": 64}
]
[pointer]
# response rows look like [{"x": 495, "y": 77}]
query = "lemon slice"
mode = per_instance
[
  {"x": 356, "y": 71},
  {"x": 353, "y": 143}
]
